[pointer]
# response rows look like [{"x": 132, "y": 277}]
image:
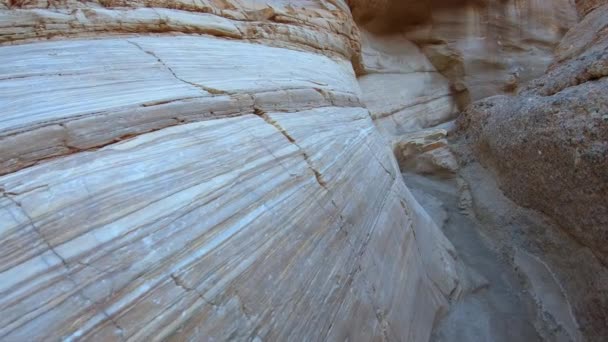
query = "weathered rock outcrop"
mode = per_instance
[
  {"x": 549, "y": 146},
  {"x": 197, "y": 170}
]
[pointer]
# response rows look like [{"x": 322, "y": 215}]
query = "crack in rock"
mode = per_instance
[
  {"x": 151, "y": 53},
  {"x": 318, "y": 176}
]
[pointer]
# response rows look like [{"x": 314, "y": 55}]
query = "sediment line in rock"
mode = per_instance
[
  {"x": 27, "y": 24},
  {"x": 111, "y": 116},
  {"x": 207, "y": 221}
]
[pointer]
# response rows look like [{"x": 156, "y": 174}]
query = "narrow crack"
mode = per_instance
[
  {"x": 9, "y": 196},
  {"x": 12, "y": 193},
  {"x": 342, "y": 221},
  {"x": 318, "y": 176},
  {"x": 67, "y": 274},
  {"x": 71, "y": 149},
  {"x": 181, "y": 284},
  {"x": 202, "y": 87},
  {"x": 379, "y": 162}
]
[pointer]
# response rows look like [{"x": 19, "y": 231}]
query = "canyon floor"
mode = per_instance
[
  {"x": 509, "y": 294},
  {"x": 496, "y": 306}
]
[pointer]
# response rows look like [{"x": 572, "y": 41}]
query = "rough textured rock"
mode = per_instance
[
  {"x": 585, "y": 6},
  {"x": 468, "y": 50},
  {"x": 549, "y": 147},
  {"x": 554, "y": 139},
  {"x": 197, "y": 170}
]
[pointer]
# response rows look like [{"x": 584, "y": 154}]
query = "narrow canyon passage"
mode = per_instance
[
  {"x": 499, "y": 302},
  {"x": 499, "y": 127},
  {"x": 304, "y": 170},
  {"x": 522, "y": 277},
  {"x": 495, "y": 305}
]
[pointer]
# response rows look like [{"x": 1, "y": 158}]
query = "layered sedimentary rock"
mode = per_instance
[
  {"x": 549, "y": 146},
  {"x": 489, "y": 46},
  {"x": 202, "y": 170},
  {"x": 407, "y": 98},
  {"x": 401, "y": 88}
]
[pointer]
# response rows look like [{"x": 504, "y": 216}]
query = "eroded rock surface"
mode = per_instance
[
  {"x": 497, "y": 45},
  {"x": 549, "y": 149},
  {"x": 202, "y": 170},
  {"x": 553, "y": 139},
  {"x": 411, "y": 103}
]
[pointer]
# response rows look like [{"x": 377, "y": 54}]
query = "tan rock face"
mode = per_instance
[
  {"x": 549, "y": 147},
  {"x": 423, "y": 62},
  {"x": 546, "y": 141},
  {"x": 499, "y": 45},
  {"x": 426, "y": 152},
  {"x": 196, "y": 170},
  {"x": 406, "y": 94}
]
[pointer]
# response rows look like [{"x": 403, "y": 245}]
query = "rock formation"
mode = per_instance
[
  {"x": 407, "y": 99},
  {"x": 548, "y": 147},
  {"x": 231, "y": 169},
  {"x": 202, "y": 170},
  {"x": 489, "y": 46},
  {"x": 417, "y": 74},
  {"x": 549, "y": 144}
]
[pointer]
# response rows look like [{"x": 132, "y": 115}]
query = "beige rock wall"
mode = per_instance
[
  {"x": 203, "y": 170},
  {"x": 499, "y": 45},
  {"x": 408, "y": 98}
]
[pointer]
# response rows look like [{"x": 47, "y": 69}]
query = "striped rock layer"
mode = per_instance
[{"x": 204, "y": 170}]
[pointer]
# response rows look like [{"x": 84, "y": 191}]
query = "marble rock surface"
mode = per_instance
[{"x": 206, "y": 170}]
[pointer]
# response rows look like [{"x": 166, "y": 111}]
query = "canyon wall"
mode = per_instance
[
  {"x": 552, "y": 138},
  {"x": 543, "y": 136},
  {"x": 231, "y": 169},
  {"x": 486, "y": 46},
  {"x": 410, "y": 101},
  {"x": 548, "y": 148},
  {"x": 199, "y": 170},
  {"x": 423, "y": 63}
]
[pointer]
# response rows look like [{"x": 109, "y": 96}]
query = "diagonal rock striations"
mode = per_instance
[{"x": 198, "y": 170}]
